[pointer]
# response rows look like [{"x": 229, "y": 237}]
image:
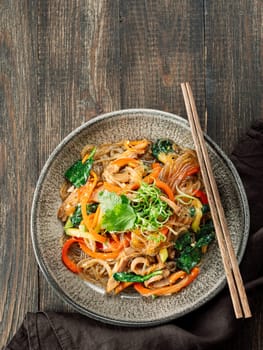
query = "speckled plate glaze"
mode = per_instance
[{"x": 131, "y": 309}]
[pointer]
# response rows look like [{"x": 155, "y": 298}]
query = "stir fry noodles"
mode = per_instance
[{"x": 135, "y": 215}]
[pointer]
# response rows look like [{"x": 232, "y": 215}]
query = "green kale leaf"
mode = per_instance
[
  {"x": 132, "y": 277},
  {"x": 189, "y": 258},
  {"x": 183, "y": 241},
  {"x": 189, "y": 246},
  {"x": 76, "y": 217},
  {"x": 79, "y": 172},
  {"x": 205, "y": 240},
  {"x": 162, "y": 146}
]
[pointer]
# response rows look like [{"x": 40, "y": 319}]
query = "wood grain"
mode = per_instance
[
  {"x": 78, "y": 77},
  {"x": 19, "y": 273},
  {"x": 233, "y": 75},
  {"x": 233, "y": 41},
  {"x": 64, "y": 61},
  {"x": 162, "y": 46}
]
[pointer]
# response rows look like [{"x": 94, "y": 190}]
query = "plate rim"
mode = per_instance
[{"x": 51, "y": 281}]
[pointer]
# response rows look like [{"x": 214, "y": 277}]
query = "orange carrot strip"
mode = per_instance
[
  {"x": 125, "y": 161},
  {"x": 154, "y": 174},
  {"x": 176, "y": 276},
  {"x": 115, "y": 243},
  {"x": 156, "y": 165},
  {"x": 112, "y": 188},
  {"x": 204, "y": 249},
  {"x": 131, "y": 187},
  {"x": 119, "y": 190},
  {"x": 86, "y": 217},
  {"x": 96, "y": 236},
  {"x": 164, "y": 230},
  {"x": 136, "y": 146},
  {"x": 115, "y": 246},
  {"x": 85, "y": 189},
  {"x": 122, "y": 286},
  {"x": 85, "y": 158},
  {"x": 71, "y": 265},
  {"x": 96, "y": 218},
  {"x": 115, "y": 237},
  {"x": 141, "y": 143},
  {"x": 99, "y": 255},
  {"x": 167, "y": 189},
  {"x": 139, "y": 287}
]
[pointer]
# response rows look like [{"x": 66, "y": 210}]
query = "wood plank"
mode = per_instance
[
  {"x": 161, "y": 46},
  {"x": 78, "y": 77},
  {"x": 234, "y": 98},
  {"x": 19, "y": 273},
  {"x": 233, "y": 68},
  {"x": 63, "y": 62}
]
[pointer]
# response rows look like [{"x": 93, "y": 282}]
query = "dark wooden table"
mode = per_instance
[{"x": 63, "y": 62}]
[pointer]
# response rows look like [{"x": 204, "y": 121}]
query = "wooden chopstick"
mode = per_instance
[{"x": 233, "y": 276}]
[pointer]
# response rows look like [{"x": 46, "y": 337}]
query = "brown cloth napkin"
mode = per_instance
[{"x": 205, "y": 328}]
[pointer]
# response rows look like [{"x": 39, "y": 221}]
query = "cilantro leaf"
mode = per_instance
[
  {"x": 108, "y": 200},
  {"x": 120, "y": 218},
  {"x": 118, "y": 214}
]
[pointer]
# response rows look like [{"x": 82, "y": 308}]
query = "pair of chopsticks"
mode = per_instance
[{"x": 234, "y": 279}]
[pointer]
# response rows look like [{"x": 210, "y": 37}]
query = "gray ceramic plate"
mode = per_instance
[{"x": 46, "y": 229}]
